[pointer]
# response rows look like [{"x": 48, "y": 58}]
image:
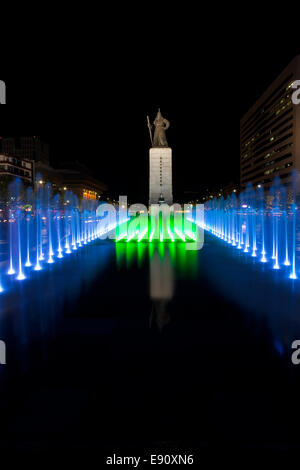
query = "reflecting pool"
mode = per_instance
[{"x": 152, "y": 345}]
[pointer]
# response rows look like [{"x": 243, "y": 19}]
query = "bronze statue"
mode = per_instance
[{"x": 160, "y": 126}]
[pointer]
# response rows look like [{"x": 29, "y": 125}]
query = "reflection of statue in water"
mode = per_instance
[
  {"x": 161, "y": 289},
  {"x": 159, "y": 314},
  {"x": 160, "y": 126}
]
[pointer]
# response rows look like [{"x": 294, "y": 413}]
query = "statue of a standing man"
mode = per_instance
[{"x": 160, "y": 126}]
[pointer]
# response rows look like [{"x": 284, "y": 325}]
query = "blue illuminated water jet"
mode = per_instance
[
  {"x": 41, "y": 227},
  {"x": 258, "y": 223}
]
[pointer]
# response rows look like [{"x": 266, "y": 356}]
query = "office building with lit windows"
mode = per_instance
[
  {"x": 11, "y": 167},
  {"x": 270, "y": 133}
]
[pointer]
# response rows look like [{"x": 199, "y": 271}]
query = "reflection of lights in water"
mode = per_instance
[{"x": 183, "y": 261}]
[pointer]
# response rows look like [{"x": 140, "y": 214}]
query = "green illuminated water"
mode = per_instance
[
  {"x": 181, "y": 261},
  {"x": 162, "y": 229}
]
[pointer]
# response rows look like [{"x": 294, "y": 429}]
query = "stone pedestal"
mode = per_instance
[
  {"x": 160, "y": 180},
  {"x": 2, "y": 93}
]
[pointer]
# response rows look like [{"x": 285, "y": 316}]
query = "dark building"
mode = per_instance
[
  {"x": 29, "y": 158},
  {"x": 30, "y": 148},
  {"x": 270, "y": 133},
  {"x": 19, "y": 156},
  {"x": 80, "y": 180}
]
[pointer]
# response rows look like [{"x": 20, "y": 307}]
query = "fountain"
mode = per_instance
[
  {"x": 40, "y": 228},
  {"x": 260, "y": 222}
]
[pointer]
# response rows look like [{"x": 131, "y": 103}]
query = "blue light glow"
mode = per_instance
[{"x": 258, "y": 223}]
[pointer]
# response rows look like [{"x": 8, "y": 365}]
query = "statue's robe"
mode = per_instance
[{"x": 159, "y": 139}]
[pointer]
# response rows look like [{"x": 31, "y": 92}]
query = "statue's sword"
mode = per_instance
[{"x": 150, "y": 129}]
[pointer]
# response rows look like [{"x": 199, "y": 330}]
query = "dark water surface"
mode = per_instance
[{"x": 150, "y": 346}]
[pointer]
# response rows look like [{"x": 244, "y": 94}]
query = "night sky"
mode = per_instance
[{"x": 94, "y": 109}]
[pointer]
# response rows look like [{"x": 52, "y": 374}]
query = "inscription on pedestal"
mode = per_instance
[{"x": 160, "y": 181}]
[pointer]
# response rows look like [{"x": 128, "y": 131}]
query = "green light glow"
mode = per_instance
[
  {"x": 131, "y": 254},
  {"x": 151, "y": 236},
  {"x": 158, "y": 230},
  {"x": 120, "y": 255},
  {"x": 142, "y": 234},
  {"x": 140, "y": 248},
  {"x": 180, "y": 234},
  {"x": 121, "y": 230},
  {"x": 121, "y": 236},
  {"x": 191, "y": 235},
  {"x": 170, "y": 234},
  {"x": 132, "y": 236},
  {"x": 184, "y": 262},
  {"x": 161, "y": 250},
  {"x": 151, "y": 249}
]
